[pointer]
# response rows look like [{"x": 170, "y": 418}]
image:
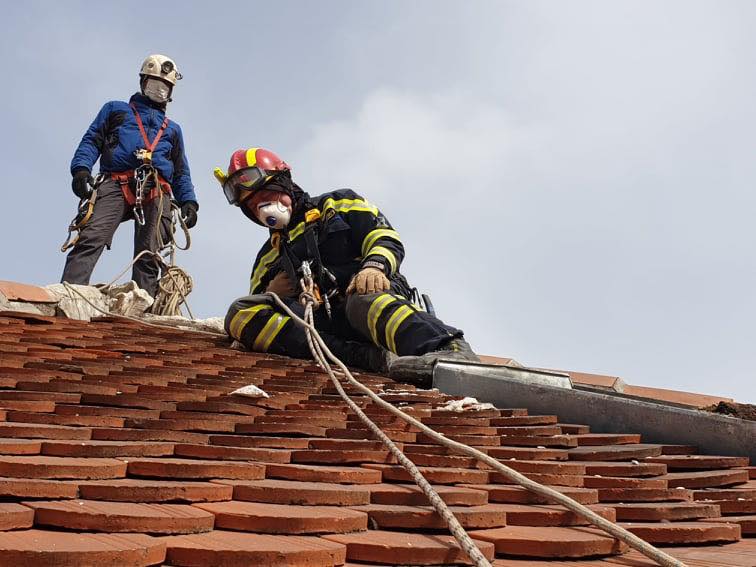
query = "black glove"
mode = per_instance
[
  {"x": 80, "y": 184},
  {"x": 189, "y": 213}
]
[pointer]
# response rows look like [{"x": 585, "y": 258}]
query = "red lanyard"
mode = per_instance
[{"x": 150, "y": 146}]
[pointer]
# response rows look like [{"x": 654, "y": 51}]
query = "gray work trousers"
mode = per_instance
[{"x": 110, "y": 210}]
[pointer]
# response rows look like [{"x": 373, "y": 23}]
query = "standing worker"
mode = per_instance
[
  {"x": 355, "y": 255},
  {"x": 142, "y": 166}
]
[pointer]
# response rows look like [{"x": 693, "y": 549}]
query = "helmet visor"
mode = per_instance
[{"x": 242, "y": 183}]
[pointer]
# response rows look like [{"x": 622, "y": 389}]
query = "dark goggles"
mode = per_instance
[{"x": 242, "y": 183}]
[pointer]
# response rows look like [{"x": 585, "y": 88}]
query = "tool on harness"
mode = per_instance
[
  {"x": 83, "y": 214},
  {"x": 423, "y": 301},
  {"x": 325, "y": 282}
]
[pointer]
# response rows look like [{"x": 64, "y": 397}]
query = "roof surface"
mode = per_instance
[{"x": 121, "y": 443}]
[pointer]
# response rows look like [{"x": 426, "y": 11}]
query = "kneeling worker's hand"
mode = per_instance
[
  {"x": 281, "y": 285},
  {"x": 369, "y": 280}
]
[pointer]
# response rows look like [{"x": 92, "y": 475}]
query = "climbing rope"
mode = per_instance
[
  {"x": 322, "y": 355},
  {"x": 173, "y": 287},
  {"x": 175, "y": 284}
]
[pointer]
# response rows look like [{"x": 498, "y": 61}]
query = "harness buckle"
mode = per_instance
[{"x": 143, "y": 155}]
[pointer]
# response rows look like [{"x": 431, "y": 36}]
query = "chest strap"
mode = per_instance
[{"x": 149, "y": 147}]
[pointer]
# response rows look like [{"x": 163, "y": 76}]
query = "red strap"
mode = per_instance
[{"x": 150, "y": 146}]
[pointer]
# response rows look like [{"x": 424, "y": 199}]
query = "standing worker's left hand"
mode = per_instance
[
  {"x": 369, "y": 280},
  {"x": 189, "y": 213}
]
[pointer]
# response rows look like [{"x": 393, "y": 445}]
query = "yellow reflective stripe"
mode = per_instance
[
  {"x": 386, "y": 253},
  {"x": 373, "y": 235},
  {"x": 262, "y": 268},
  {"x": 280, "y": 325},
  {"x": 251, "y": 157},
  {"x": 241, "y": 319},
  {"x": 271, "y": 256},
  {"x": 376, "y": 308},
  {"x": 269, "y": 331},
  {"x": 297, "y": 231},
  {"x": 347, "y": 205},
  {"x": 396, "y": 319}
]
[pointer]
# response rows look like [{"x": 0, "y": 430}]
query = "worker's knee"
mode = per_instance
[
  {"x": 357, "y": 308},
  {"x": 241, "y": 312}
]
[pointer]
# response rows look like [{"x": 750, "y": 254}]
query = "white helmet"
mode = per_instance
[{"x": 160, "y": 66}]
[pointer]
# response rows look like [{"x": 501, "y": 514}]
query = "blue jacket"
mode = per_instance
[{"x": 114, "y": 136}]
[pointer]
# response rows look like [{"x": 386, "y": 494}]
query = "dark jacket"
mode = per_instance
[
  {"x": 114, "y": 136},
  {"x": 349, "y": 231}
]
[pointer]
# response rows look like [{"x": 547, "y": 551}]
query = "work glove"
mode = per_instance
[
  {"x": 189, "y": 213},
  {"x": 369, "y": 280},
  {"x": 80, "y": 184},
  {"x": 281, "y": 285}
]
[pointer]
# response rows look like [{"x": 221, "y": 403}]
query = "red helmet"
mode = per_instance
[{"x": 248, "y": 171}]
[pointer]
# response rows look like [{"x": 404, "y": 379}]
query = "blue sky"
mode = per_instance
[{"x": 574, "y": 181}]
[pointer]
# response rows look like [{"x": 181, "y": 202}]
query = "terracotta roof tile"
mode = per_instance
[
  {"x": 551, "y": 541},
  {"x": 43, "y": 547},
  {"x": 412, "y": 495},
  {"x": 145, "y": 490},
  {"x": 398, "y": 548},
  {"x": 15, "y": 516},
  {"x": 285, "y": 519},
  {"x": 112, "y": 434},
  {"x": 237, "y": 548},
  {"x": 392, "y": 516},
  {"x": 194, "y": 469},
  {"x": 24, "y": 292},
  {"x": 685, "y": 532},
  {"x": 301, "y": 493},
  {"x": 117, "y": 517}
]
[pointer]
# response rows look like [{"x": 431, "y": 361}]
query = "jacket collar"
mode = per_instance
[{"x": 140, "y": 100}]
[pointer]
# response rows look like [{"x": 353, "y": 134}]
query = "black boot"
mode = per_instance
[
  {"x": 418, "y": 370},
  {"x": 356, "y": 354}
]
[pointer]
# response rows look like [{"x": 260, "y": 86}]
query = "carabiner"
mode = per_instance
[{"x": 139, "y": 214}]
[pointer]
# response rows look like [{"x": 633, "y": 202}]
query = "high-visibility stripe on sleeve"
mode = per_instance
[
  {"x": 396, "y": 319},
  {"x": 348, "y": 205},
  {"x": 269, "y": 332},
  {"x": 373, "y": 235},
  {"x": 262, "y": 269},
  {"x": 386, "y": 253},
  {"x": 241, "y": 319},
  {"x": 376, "y": 308}
]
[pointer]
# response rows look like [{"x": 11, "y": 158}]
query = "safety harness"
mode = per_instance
[
  {"x": 326, "y": 286},
  {"x": 145, "y": 176}
]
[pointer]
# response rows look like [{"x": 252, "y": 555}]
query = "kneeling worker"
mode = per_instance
[
  {"x": 142, "y": 164},
  {"x": 355, "y": 256}
]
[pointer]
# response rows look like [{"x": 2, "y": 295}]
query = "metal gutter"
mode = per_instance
[{"x": 713, "y": 434}]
